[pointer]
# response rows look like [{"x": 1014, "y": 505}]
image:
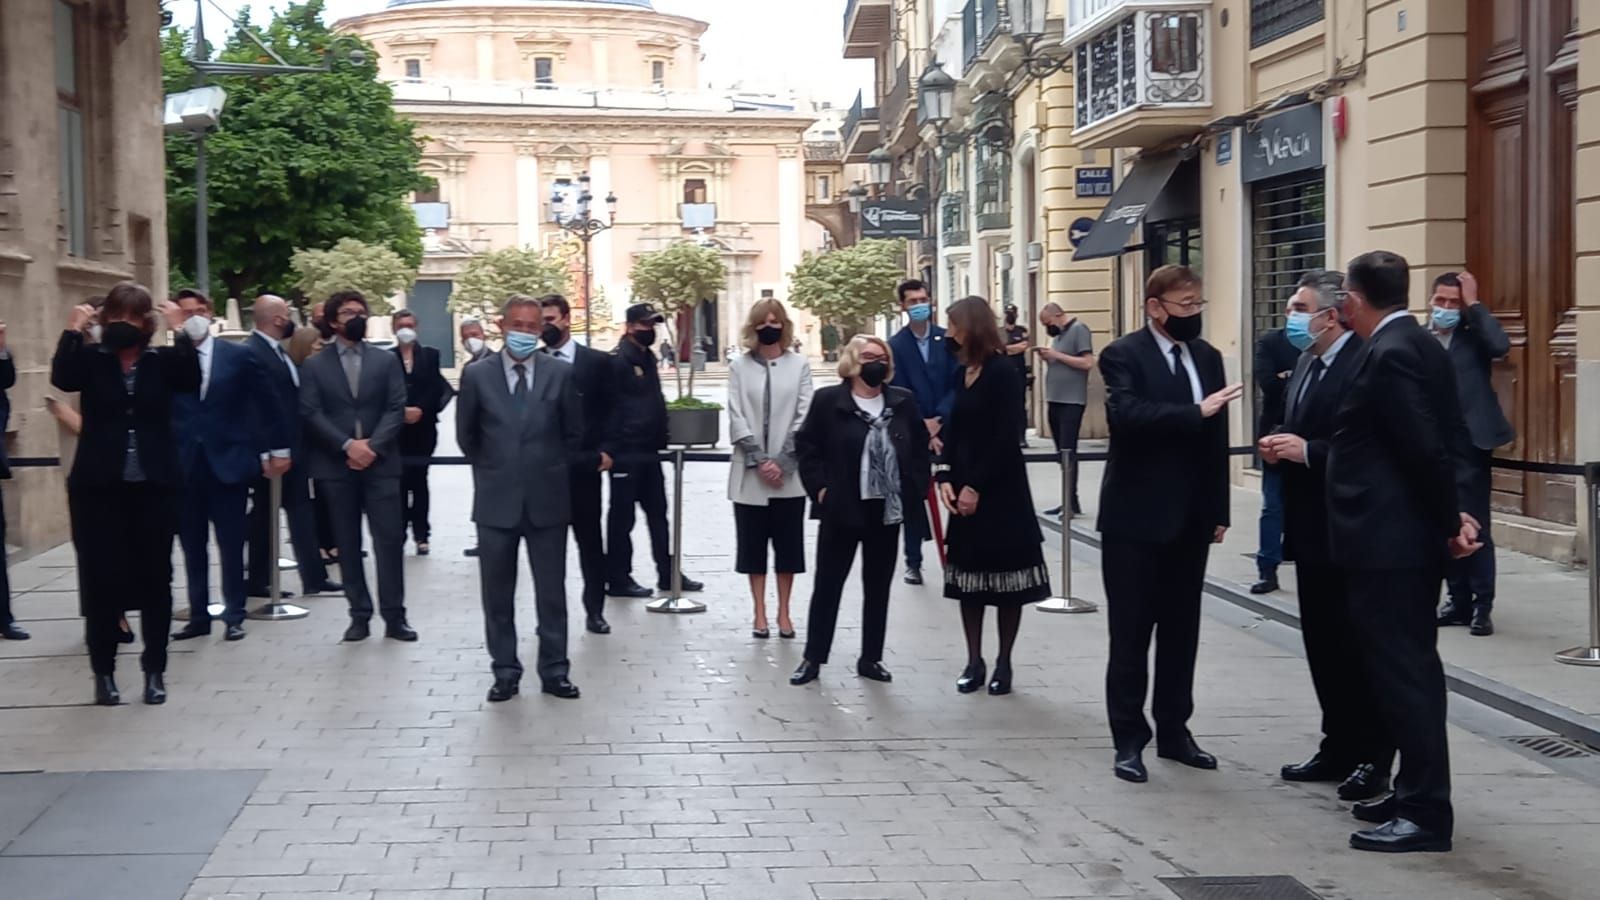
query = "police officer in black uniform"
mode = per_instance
[{"x": 634, "y": 441}]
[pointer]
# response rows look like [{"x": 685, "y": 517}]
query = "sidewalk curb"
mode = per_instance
[{"x": 1498, "y": 695}]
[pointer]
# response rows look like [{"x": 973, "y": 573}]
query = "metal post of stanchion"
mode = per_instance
[
  {"x": 275, "y": 610},
  {"x": 1590, "y": 655},
  {"x": 1065, "y": 602},
  {"x": 676, "y": 603}
]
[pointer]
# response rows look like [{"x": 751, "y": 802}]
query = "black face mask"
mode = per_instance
[
  {"x": 1052, "y": 330},
  {"x": 1011, "y": 318},
  {"x": 288, "y": 329},
  {"x": 552, "y": 336},
  {"x": 1183, "y": 329},
  {"x": 874, "y": 373},
  {"x": 355, "y": 329},
  {"x": 644, "y": 338},
  {"x": 122, "y": 336},
  {"x": 769, "y": 334}
]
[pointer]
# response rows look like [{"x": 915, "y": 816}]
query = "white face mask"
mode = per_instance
[
  {"x": 94, "y": 332},
  {"x": 197, "y": 328},
  {"x": 474, "y": 345},
  {"x": 406, "y": 335}
]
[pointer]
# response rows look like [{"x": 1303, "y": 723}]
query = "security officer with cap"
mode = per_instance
[{"x": 634, "y": 441}]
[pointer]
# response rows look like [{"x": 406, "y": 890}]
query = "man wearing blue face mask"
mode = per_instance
[
  {"x": 1274, "y": 360},
  {"x": 1474, "y": 339},
  {"x": 924, "y": 366}
]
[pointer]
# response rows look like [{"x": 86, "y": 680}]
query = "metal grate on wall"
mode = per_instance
[
  {"x": 1272, "y": 19},
  {"x": 1289, "y": 218}
]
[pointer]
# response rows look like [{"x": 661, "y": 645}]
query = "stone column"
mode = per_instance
[
  {"x": 530, "y": 196},
  {"x": 791, "y": 209}
]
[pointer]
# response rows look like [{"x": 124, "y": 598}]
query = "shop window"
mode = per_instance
[
  {"x": 1289, "y": 220},
  {"x": 544, "y": 72},
  {"x": 1272, "y": 19},
  {"x": 413, "y": 70},
  {"x": 70, "y": 108}
]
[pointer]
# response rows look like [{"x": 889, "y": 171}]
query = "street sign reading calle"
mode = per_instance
[{"x": 893, "y": 219}]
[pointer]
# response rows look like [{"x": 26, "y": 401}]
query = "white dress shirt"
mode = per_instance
[
  {"x": 567, "y": 352},
  {"x": 1327, "y": 357},
  {"x": 1390, "y": 318},
  {"x": 1166, "y": 344},
  {"x": 283, "y": 355},
  {"x": 510, "y": 362},
  {"x": 204, "y": 349}
]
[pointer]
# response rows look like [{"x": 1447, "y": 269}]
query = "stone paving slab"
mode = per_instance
[{"x": 138, "y": 877}]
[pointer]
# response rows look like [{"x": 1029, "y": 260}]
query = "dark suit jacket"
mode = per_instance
[
  {"x": 109, "y": 411},
  {"x": 1274, "y": 354},
  {"x": 592, "y": 374},
  {"x": 1397, "y": 463},
  {"x": 1305, "y": 507},
  {"x": 8, "y": 380},
  {"x": 283, "y": 395},
  {"x": 521, "y": 456},
  {"x": 828, "y": 446},
  {"x": 1167, "y": 475},
  {"x": 234, "y": 423},
  {"x": 1474, "y": 346},
  {"x": 427, "y": 390},
  {"x": 932, "y": 383},
  {"x": 331, "y": 414}
]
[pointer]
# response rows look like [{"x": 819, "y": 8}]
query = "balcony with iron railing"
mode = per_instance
[
  {"x": 953, "y": 230},
  {"x": 861, "y": 131},
  {"x": 867, "y": 25},
  {"x": 896, "y": 108},
  {"x": 1141, "y": 70}
]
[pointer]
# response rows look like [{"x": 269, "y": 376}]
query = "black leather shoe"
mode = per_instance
[
  {"x": 1001, "y": 683},
  {"x": 1052, "y": 513},
  {"x": 1400, "y": 836},
  {"x": 874, "y": 671},
  {"x": 560, "y": 687},
  {"x": 191, "y": 631},
  {"x": 631, "y": 589},
  {"x": 13, "y": 632},
  {"x": 470, "y": 553},
  {"x": 265, "y": 591},
  {"x": 972, "y": 677},
  {"x": 502, "y": 690},
  {"x": 597, "y": 625},
  {"x": 685, "y": 584},
  {"x": 400, "y": 631},
  {"x": 327, "y": 587},
  {"x": 359, "y": 630},
  {"x": 423, "y": 549},
  {"x": 913, "y": 576},
  {"x": 1482, "y": 625},
  {"x": 1378, "y": 810},
  {"x": 1188, "y": 753},
  {"x": 233, "y": 633},
  {"x": 806, "y": 674},
  {"x": 105, "y": 691},
  {"x": 1453, "y": 613},
  {"x": 1265, "y": 586},
  {"x": 1317, "y": 768},
  {"x": 155, "y": 689},
  {"x": 1364, "y": 784},
  {"x": 1130, "y": 767}
]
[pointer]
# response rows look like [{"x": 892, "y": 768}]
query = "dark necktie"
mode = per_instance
[
  {"x": 1313, "y": 378},
  {"x": 521, "y": 390},
  {"x": 1180, "y": 375}
]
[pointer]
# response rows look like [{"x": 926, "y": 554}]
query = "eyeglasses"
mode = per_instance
[{"x": 1192, "y": 306}]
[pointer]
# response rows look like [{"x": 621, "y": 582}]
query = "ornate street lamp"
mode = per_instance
[
  {"x": 1029, "y": 22},
  {"x": 855, "y": 196},
  {"x": 880, "y": 167},
  {"x": 936, "y": 95},
  {"x": 583, "y": 226}
]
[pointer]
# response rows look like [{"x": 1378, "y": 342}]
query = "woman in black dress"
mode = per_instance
[
  {"x": 995, "y": 548},
  {"x": 122, "y": 490}
]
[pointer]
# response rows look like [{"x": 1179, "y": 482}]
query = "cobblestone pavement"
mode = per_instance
[{"x": 691, "y": 769}]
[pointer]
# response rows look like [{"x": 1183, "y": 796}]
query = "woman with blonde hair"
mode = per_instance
[
  {"x": 769, "y": 392},
  {"x": 864, "y": 462}
]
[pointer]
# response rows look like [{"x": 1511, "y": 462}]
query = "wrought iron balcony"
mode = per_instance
[
  {"x": 860, "y": 131},
  {"x": 953, "y": 230},
  {"x": 867, "y": 24},
  {"x": 1142, "y": 69},
  {"x": 899, "y": 101}
]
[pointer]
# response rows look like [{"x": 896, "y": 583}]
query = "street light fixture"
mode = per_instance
[
  {"x": 880, "y": 166},
  {"x": 936, "y": 98},
  {"x": 855, "y": 196},
  {"x": 585, "y": 227},
  {"x": 1029, "y": 22}
]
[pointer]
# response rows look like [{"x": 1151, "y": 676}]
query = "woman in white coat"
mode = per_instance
[{"x": 769, "y": 392}]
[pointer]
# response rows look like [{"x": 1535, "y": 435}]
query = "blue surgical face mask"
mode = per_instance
[
  {"x": 920, "y": 312},
  {"x": 520, "y": 344},
  {"x": 1298, "y": 330},
  {"x": 1445, "y": 318}
]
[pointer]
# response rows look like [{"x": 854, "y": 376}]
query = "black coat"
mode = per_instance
[
  {"x": 1397, "y": 464},
  {"x": 829, "y": 445},
  {"x": 592, "y": 373},
  {"x": 1274, "y": 356},
  {"x": 283, "y": 394},
  {"x": 1474, "y": 346},
  {"x": 1305, "y": 507},
  {"x": 427, "y": 390},
  {"x": 95, "y": 373},
  {"x": 636, "y": 427},
  {"x": 1167, "y": 473},
  {"x": 8, "y": 380},
  {"x": 981, "y": 452}
]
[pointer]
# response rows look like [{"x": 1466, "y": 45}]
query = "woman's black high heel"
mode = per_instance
[
  {"x": 972, "y": 677},
  {"x": 1002, "y": 681},
  {"x": 125, "y": 633},
  {"x": 760, "y": 634}
]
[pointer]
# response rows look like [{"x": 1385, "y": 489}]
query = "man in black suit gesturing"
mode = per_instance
[
  {"x": 1396, "y": 467},
  {"x": 1356, "y": 751},
  {"x": 1163, "y": 503},
  {"x": 592, "y": 372}
]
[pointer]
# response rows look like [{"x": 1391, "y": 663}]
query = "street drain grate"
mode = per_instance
[
  {"x": 1553, "y": 747},
  {"x": 1238, "y": 887}
]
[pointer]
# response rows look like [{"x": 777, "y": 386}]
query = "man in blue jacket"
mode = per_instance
[{"x": 923, "y": 365}]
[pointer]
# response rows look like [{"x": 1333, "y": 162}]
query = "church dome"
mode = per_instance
[{"x": 635, "y": 4}]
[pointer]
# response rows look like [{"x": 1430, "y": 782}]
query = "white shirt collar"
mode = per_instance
[
  {"x": 1390, "y": 318},
  {"x": 271, "y": 341},
  {"x": 1334, "y": 348},
  {"x": 1165, "y": 343}
]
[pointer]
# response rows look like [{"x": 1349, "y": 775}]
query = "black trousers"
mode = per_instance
[
  {"x": 497, "y": 572},
  {"x": 1066, "y": 419},
  {"x": 591, "y": 546},
  {"x": 1353, "y": 732},
  {"x": 379, "y": 497},
  {"x": 303, "y": 534},
  {"x": 836, "y": 553},
  {"x": 1152, "y": 588},
  {"x": 6, "y": 619},
  {"x": 122, "y": 534},
  {"x": 322, "y": 513},
  {"x": 637, "y": 482},
  {"x": 1471, "y": 580},
  {"x": 1393, "y": 612},
  {"x": 204, "y": 505},
  {"x": 414, "y": 496}
]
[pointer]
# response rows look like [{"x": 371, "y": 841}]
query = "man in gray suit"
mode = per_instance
[
  {"x": 520, "y": 423},
  {"x": 353, "y": 398},
  {"x": 1474, "y": 338}
]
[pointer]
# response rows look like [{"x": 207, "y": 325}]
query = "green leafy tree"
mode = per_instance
[
  {"x": 489, "y": 278},
  {"x": 299, "y": 161},
  {"x": 676, "y": 280},
  {"x": 373, "y": 269},
  {"x": 849, "y": 285}
]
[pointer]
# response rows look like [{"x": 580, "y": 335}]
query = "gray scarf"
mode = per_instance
[{"x": 883, "y": 466}]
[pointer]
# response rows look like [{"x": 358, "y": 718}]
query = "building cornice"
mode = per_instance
[{"x": 527, "y": 126}]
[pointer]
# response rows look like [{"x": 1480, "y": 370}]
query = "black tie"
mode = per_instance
[
  {"x": 521, "y": 391},
  {"x": 1313, "y": 378},
  {"x": 1179, "y": 373}
]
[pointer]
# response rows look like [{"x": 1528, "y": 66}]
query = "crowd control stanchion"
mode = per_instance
[
  {"x": 275, "y": 610},
  {"x": 1065, "y": 602},
  {"x": 676, "y": 602},
  {"x": 1590, "y": 655}
]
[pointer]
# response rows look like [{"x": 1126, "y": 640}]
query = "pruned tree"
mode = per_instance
[
  {"x": 351, "y": 265},
  {"x": 489, "y": 278},
  {"x": 849, "y": 286},
  {"x": 678, "y": 279}
]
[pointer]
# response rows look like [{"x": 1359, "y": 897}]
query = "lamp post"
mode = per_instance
[
  {"x": 1029, "y": 21},
  {"x": 583, "y": 226}
]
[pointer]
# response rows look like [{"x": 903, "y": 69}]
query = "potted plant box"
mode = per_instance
[{"x": 693, "y": 422}]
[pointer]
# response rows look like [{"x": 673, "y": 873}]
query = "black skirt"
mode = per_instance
[{"x": 781, "y": 524}]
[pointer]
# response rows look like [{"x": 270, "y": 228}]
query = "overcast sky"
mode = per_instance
[{"x": 764, "y": 43}]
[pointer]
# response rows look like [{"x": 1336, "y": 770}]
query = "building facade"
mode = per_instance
[
  {"x": 521, "y": 98},
  {"x": 82, "y": 203}
]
